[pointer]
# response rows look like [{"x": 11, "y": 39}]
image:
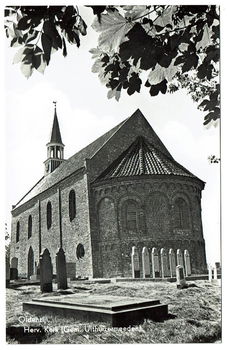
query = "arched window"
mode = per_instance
[
  {"x": 18, "y": 231},
  {"x": 29, "y": 226},
  {"x": 181, "y": 214},
  {"x": 80, "y": 252},
  {"x": 131, "y": 215},
  {"x": 72, "y": 205},
  {"x": 49, "y": 215}
]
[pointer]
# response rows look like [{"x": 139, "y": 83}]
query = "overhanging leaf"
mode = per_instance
[
  {"x": 135, "y": 12},
  {"x": 42, "y": 65},
  {"x": 26, "y": 69},
  {"x": 205, "y": 40},
  {"x": 161, "y": 87},
  {"x": 19, "y": 55},
  {"x": 160, "y": 73},
  {"x": 47, "y": 45},
  {"x": 113, "y": 28}
]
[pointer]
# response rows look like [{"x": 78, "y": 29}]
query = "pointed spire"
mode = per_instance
[{"x": 55, "y": 134}]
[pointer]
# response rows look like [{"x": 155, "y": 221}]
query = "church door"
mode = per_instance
[{"x": 30, "y": 262}]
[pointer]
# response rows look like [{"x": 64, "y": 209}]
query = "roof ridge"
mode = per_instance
[
  {"x": 29, "y": 191},
  {"x": 107, "y": 132},
  {"x": 119, "y": 125}
]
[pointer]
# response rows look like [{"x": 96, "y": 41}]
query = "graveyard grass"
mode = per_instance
[{"x": 194, "y": 314}]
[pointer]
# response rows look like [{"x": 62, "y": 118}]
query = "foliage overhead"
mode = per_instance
[
  {"x": 41, "y": 30},
  {"x": 172, "y": 46}
]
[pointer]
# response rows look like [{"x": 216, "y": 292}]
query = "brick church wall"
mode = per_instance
[
  {"x": 78, "y": 230},
  {"x": 155, "y": 229},
  {"x": 21, "y": 248},
  {"x": 73, "y": 233}
]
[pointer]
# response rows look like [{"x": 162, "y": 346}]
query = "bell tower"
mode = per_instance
[{"x": 55, "y": 148}]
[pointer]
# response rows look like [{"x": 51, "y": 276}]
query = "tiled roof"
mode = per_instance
[
  {"x": 69, "y": 166},
  {"x": 142, "y": 158}
]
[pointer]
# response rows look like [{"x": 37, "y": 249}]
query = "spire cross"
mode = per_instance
[{"x": 55, "y": 102}]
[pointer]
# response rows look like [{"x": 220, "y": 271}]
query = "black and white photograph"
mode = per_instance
[{"x": 112, "y": 162}]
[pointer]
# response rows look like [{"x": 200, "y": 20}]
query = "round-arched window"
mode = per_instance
[
  {"x": 29, "y": 226},
  {"x": 181, "y": 214},
  {"x": 80, "y": 252},
  {"x": 49, "y": 215},
  {"x": 72, "y": 205},
  {"x": 18, "y": 231}
]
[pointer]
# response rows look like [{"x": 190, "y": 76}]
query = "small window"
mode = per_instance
[
  {"x": 80, "y": 252},
  {"x": 18, "y": 232},
  {"x": 52, "y": 152},
  {"x": 72, "y": 205},
  {"x": 49, "y": 215},
  {"x": 29, "y": 226},
  {"x": 131, "y": 216},
  {"x": 181, "y": 213}
]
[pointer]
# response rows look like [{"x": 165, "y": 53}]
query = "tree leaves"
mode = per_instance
[
  {"x": 113, "y": 27},
  {"x": 47, "y": 46},
  {"x": 19, "y": 55},
  {"x": 156, "y": 88},
  {"x": 140, "y": 46},
  {"x": 40, "y": 30},
  {"x": 171, "y": 47},
  {"x": 98, "y": 10},
  {"x": 159, "y": 73},
  {"x": 24, "y": 23},
  {"x": 50, "y": 31}
]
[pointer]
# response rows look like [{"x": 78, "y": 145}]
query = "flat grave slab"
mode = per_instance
[{"x": 116, "y": 311}]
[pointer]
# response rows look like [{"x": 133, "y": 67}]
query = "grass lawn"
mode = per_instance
[{"x": 195, "y": 315}]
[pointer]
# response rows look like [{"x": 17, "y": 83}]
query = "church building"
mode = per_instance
[{"x": 124, "y": 189}]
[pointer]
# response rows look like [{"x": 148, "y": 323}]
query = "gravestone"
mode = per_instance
[
  {"x": 61, "y": 269},
  {"x": 38, "y": 270},
  {"x": 187, "y": 263},
  {"x": 218, "y": 266},
  {"x": 71, "y": 270},
  {"x": 172, "y": 263},
  {"x": 215, "y": 273},
  {"x": 35, "y": 268},
  {"x": 46, "y": 272},
  {"x": 112, "y": 310},
  {"x": 7, "y": 271},
  {"x": 146, "y": 263},
  {"x": 181, "y": 282},
  {"x": 36, "y": 276},
  {"x": 14, "y": 269},
  {"x": 180, "y": 260},
  {"x": 164, "y": 263},
  {"x": 210, "y": 273},
  {"x": 135, "y": 263},
  {"x": 155, "y": 263}
]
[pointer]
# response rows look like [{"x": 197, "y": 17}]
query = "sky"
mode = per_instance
[{"x": 84, "y": 113}]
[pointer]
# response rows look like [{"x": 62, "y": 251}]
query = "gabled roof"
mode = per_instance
[
  {"x": 69, "y": 166},
  {"x": 55, "y": 134},
  {"x": 155, "y": 157},
  {"x": 143, "y": 158}
]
